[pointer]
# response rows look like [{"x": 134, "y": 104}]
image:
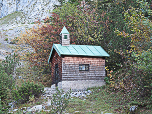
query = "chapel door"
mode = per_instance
[{"x": 56, "y": 75}]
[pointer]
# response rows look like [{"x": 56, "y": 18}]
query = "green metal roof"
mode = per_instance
[
  {"x": 79, "y": 50},
  {"x": 64, "y": 31}
]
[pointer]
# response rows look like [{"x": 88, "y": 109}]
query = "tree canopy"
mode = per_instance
[{"x": 121, "y": 27}]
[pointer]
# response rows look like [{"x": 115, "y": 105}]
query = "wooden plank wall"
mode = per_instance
[
  {"x": 70, "y": 68},
  {"x": 65, "y": 42}
]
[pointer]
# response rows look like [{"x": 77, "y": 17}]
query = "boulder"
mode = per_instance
[
  {"x": 133, "y": 108},
  {"x": 89, "y": 91},
  {"x": 37, "y": 108},
  {"x": 15, "y": 110}
]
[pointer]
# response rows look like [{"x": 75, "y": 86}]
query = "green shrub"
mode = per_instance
[
  {"x": 6, "y": 80},
  {"x": 14, "y": 41},
  {"x": 9, "y": 63},
  {"x": 27, "y": 90},
  {"x": 1, "y": 109},
  {"x": 134, "y": 78},
  {"x": 59, "y": 101},
  {"x": 6, "y": 84},
  {"x": 144, "y": 67},
  {"x": 6, "y": 39},
  {"x": 107, "y": 80}
]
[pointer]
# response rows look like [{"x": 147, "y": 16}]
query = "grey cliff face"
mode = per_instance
[{"x": 31, "y": 8}]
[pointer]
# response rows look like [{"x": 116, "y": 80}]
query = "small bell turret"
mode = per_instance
[{"x": 65, "y": 37}]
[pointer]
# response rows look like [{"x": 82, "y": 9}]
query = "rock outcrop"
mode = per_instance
[{"x": 32, "y": 9}]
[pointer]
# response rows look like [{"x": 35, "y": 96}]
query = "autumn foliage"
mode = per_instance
[
  {"x": 41, "y": 38},
  {"x": 120, "y": 28}
]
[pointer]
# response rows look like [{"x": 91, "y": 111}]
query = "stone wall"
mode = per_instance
[
  {"x": 70, "y": 69},
  {"x": 80, "y": 85},
  {"x": 56, "y": 59}
]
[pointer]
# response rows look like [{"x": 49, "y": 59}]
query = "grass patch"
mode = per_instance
[
  {"x": 26, "y": 73},
  {"x": 10, "y": 17},
  {"x": 6, "y": 39},
  {"x": 103, "y": 100}
]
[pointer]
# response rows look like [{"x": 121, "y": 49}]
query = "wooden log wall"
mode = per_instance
[{"x": 56, "y": 59}]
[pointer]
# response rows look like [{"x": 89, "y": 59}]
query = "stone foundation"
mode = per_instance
[{"x": 79, "y": 85}]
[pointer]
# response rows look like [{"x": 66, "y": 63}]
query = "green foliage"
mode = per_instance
[
  {"x": 9, "y": 63},
  {"x": 91, "y": 25},
  {"x": 28, "y": 89},
  {"x": 106, "y": 79},
  {"x": 6, "y": 80},
  {"x": 134, "y": 78},
  {"x": 114, "y": 18},
  {"x": 6, "y": 83},
  {"x": 141, "y": 28},
  {"x": 6, "y": 39},
  {"x": 144, "y": 65},
  {"x": 1, "y": 109},
  {"x": 75, "y": 2},
  {"x": 14, "y": 41},
  {"x": 59, "y": 101},
  {"x": 135, "y": 75},
  {"x": 146, "y": 6}
]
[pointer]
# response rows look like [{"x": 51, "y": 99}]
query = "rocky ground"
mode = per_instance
[
  {"x": 7, "y": 34},
  {"x": 48, "y": 95}
]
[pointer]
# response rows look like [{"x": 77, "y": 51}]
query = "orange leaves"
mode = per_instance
[
  {"x": 123, "y": 33},
  {"x": 41, "y": 38}
]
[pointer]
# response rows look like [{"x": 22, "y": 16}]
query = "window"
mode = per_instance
[
  {"x": 84, "y": 67},
  {"x": 65, "y": 36}
]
